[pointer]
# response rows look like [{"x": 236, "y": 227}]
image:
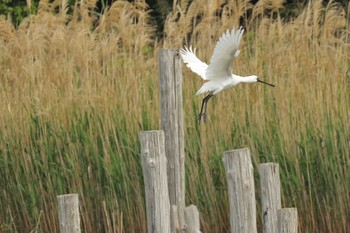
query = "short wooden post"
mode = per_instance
[
  {"x": 170, "y": 84},
  {"x": 240, "y": 179},
  {"x": 154, "y": 164},
  {"x": 270, "y": 186},
  {"x": 192, "y": 219},
  {"x": 287, "y": 220},
  {"x": 68, "y": 213}
]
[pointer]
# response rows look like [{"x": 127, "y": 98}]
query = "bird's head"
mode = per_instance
[
  {"x": 250, "y": 79},
  {"x": 254, "y": 79}
]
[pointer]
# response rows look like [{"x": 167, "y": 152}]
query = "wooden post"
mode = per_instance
[
  {"x": 287, "y": 220},
  {"x": 192, "y": 219},
  {"x": 240, "y": 179},
  {"x": 153, "y": 163},
  {"x": 68, "y": 213},
  {"x": 170, "y": 84},
  {"x": 270, "y": 186}
]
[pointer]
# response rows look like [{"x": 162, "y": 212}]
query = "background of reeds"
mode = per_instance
[{"x": 76, "y": 89}]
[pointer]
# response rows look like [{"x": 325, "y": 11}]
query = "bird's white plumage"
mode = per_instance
[
  {"x": 220, "y": 65},
  {"x": 225, "y": 51},
  {"x": 192, "y": 61}
]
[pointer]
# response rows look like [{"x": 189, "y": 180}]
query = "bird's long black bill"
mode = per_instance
[{"x": 260, "y": 81}]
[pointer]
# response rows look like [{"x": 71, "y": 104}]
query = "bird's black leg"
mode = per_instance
[
  {"x": 201, "y": 112},
  {"x": 204, "y": 106}
]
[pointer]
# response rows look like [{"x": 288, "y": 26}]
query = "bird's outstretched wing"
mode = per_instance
[
  {"x": 226, "y": 49},
  {"x": 192, "y": 61}
]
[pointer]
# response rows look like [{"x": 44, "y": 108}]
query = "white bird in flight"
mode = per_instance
[{"x": 218, "y": 73}]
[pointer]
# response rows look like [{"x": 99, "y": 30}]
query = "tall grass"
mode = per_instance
[{"x": 77, "y": 89}]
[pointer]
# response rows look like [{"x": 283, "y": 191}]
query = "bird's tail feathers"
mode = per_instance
[{"x": 209, "y": 87}]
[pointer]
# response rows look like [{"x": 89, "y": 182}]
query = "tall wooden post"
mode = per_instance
[
  {"x": 68, "y": 213},
  {"x": 240, "y": 180},
  {"x": 170, "y": 84},
  {"x": 270, "y": 186},
  {"x": 153, "y": 163}
]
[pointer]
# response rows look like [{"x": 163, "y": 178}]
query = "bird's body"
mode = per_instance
[
  {"x": 217, "y": 85},
  {"x": 218, "y": 72}
]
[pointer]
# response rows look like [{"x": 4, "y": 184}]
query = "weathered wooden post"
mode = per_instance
[
  {"x": 154, "y": 166},
  {"x": 68, "y": 213},
  {"x": 270, "y": 186},
  {"x": 192, "y": 219},
  {"x": 287, "y": 220},
  {"x": 240, "y": 179},
  {"x": 170, "y": 84}
]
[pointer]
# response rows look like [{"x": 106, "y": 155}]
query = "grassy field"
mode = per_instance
[{"x": 77, "y": 89}]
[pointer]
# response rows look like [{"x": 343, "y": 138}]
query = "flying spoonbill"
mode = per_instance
[{"x": 218, "y": 73}]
